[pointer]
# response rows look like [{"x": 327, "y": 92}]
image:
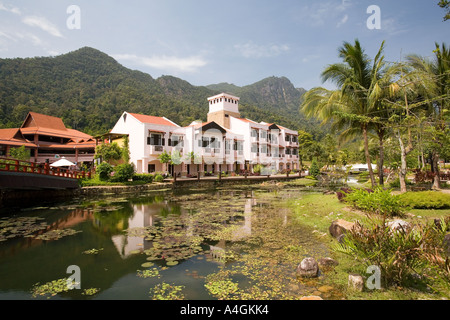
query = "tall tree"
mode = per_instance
[
  {"x": 351, "y": 106},
  {"x": 445, "y": 4},
  {"x": 434, "y": 77}
]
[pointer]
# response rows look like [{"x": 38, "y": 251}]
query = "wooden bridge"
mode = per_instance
[{"x": 24, "y": 175}]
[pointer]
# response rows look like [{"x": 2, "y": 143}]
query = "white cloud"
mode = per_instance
[
  {"x": 343, "y": 21},
  {"x": 17, "y": 36},
  {"x": 392, "y": 27},
  {"x": 321, "y": 13},
  {"x": 14, "y": 10},
  {"x": 43, "y": 23},
  {"x": 189, "y": 64},
  {"x": 252, "y": 50}
]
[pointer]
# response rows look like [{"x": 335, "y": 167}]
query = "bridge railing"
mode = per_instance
[{"x": 15, "y": 165}]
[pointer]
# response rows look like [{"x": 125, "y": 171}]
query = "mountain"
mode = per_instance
[
  {"x": 89, "y": 90},
  {"x": 273, "y": 99}
]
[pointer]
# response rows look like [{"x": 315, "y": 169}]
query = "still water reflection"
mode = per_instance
[{"x": 188, "y": 242}]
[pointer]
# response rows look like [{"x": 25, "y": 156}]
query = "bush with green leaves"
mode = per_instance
[
  {"x": 396, "y": 183},
  {"x": 123, "y": 172},
  {"x": 401, "y": 254},
  {"x": 379, "y": 201},
  {"x": 158, "y": 178},
  {"x": 145, "y": 177},
  {"x": 104, "y": 170},
  {"x": 314, "y": 170},
  {"x": 425, "y": 200}
]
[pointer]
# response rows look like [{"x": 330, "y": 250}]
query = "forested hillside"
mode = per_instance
[{"x": 89, "y": 90}]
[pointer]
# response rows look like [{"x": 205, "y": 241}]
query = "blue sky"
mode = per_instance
[{"x": 211, "y": 41}]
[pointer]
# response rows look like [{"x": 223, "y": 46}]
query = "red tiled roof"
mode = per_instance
[
  {"x": 36, "y": 123},
  {"x": 13, "y": 137},
  {"x": 153, "y": 119},
  {"x": 34, "y": 119}
]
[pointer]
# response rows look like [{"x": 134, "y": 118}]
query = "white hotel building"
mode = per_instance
[{"x": 226, "y": 142}]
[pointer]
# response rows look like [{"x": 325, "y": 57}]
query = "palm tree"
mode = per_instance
[
  {"x": 351, "y": 106},
  {"x": 434, "y": 75}
]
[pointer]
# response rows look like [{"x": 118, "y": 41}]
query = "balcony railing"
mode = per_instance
[
  {"x": 14, "y": 165},
  {"x": 156, "y": 149}
]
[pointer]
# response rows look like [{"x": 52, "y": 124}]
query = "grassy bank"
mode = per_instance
[{"x": 318, "y": 210}]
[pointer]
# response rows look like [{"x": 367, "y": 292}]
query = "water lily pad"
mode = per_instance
[
  {"x": 147, "y": 264},
  {"x": 135, "y": 251},
  {"x": 172, "y": 263}
]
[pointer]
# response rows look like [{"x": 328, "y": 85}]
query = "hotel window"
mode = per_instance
[
  {"x": 254, "y": 148},
  {"x": 155, "y": 140},
  {"x": 263, "y": 135},
  {"x": 227, "y": 146},
  {"x": 286, "y": 137},
  {"x": 294, "y": 139},
  {"x": 176, "y": 141},
  {"x": 254, "y": 133}
]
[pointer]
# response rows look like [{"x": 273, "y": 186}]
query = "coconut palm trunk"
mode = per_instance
[
  {"x": 381, "y": 133},
  {"x": 367, "y": 155}
]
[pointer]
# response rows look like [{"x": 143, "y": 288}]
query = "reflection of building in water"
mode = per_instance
[
  {"x": 240, "y": 233},
  {"x": 245, "y": 230},
  {"x": 143, "y": 216}
]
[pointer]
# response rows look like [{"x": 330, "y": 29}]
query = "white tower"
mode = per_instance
[{"x": 221, "y": 107}]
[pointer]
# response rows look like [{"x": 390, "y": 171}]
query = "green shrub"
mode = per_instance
[
  {"x": 145, "y": 177},
  {"x": 314, "y": 170},
  {"x": 380, "y": 201},
  {"x": 400, "y": 254},
  {"x": 425, "y": 200},
  {"x": 396, "y": 183},
  {"x": 158, "y": 178},
  {"x": 104, "y": 170},
  {"x": 123, "y": 172},
  {"x": 257, "y": 168}
]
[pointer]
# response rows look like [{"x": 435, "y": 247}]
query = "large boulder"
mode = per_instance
[
  {"x": 355, "y": 282},
  {"x": 327, "y": 262},
  {"x": 308, "y": 268},
  {"x": 399, "y": 225},
  {"x": 340, "y": 227}
]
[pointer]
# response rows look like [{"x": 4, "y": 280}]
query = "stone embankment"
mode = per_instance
[{"x": 14, "y": 198}]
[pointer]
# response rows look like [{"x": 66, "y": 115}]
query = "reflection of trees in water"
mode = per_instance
[
  {"x": 112, "y": 217},
  {"x": 112, "y": 220}
]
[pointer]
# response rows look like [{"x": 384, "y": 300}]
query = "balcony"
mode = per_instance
[
  {"x": 254, "y": 155},
  {"x": 156, "y": 149},
  {"x": 211, "y": 152}
]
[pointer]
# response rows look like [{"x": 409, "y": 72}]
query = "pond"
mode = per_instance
[{"x": 239, "y": 243}]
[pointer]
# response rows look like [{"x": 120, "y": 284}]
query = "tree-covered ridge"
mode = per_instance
[{"x": 89, "y": 90}]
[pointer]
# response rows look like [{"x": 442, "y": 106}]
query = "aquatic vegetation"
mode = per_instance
[
  {"x": 56, "y": 234},
  {"x": 92, "y": 251},
  {"x": 165, "y": 291},
  {"x": 51, "y": 288},
  {"x": 90, "y": 291},
  {"x": 148, "y": 273},
  {"x": 20, "y": 227},
  {"x": 221, "y": 287},
  {"x": 147, "y": 264}
]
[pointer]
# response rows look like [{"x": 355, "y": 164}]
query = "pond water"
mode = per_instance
[{"x": 239, "y": 243}]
